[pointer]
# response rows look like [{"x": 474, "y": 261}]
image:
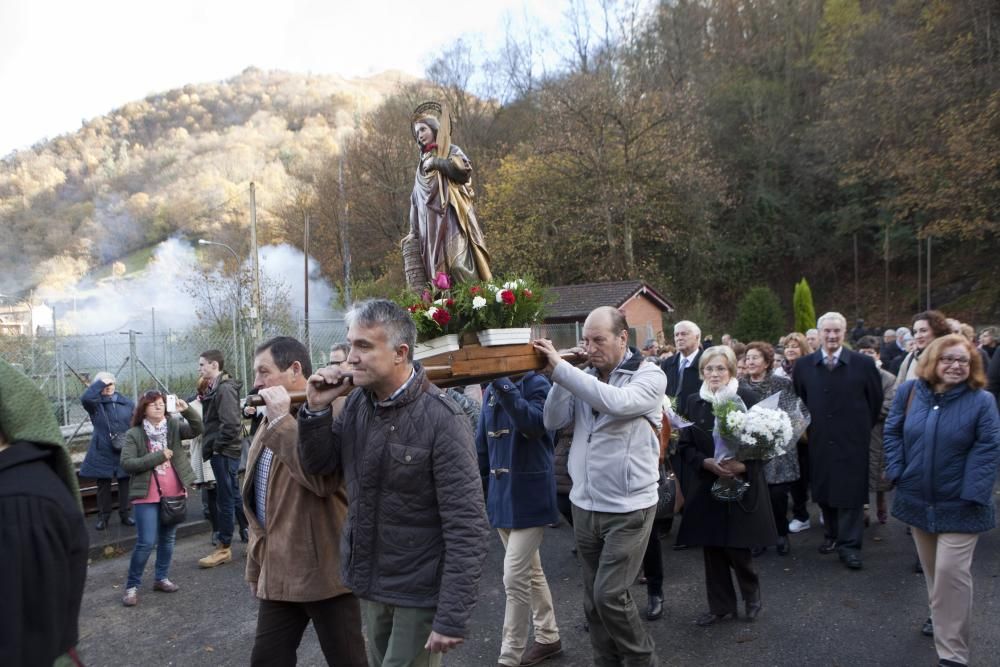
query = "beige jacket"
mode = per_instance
[{"x": 295, "y": 557}]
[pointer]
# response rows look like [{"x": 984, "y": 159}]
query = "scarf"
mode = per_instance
[
  {"x": 157, "y": 435},
  {"x": 724, "y": 394}
]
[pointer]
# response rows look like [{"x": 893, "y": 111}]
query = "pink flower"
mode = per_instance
[
  {"x": 441, "y": 281},
  {"x": 426, "y": 296}
]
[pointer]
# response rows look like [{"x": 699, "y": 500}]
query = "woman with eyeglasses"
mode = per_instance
[
  {"x": 942, "y": 449},
  {"x": 726, "y": 531},
  {"x": 159, "y": 466}
]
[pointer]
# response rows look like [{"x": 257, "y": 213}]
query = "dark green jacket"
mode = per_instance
[
  {"x": 139, "y": 462},
  {"x": 223, "y": 419}
]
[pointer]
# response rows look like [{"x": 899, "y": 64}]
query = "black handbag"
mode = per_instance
[
  {"x": 173, "y": 509},
  {"x": 117, "y": 439},
  {"x": 666, "y": 502}
]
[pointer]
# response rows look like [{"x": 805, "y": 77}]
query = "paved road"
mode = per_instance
[{"x": 816, "y": 612}]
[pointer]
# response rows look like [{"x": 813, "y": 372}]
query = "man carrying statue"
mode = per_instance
[{"x": 445, "y": 236}]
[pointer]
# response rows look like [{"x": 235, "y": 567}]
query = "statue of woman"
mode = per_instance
[{"x": 442, "y": 219}]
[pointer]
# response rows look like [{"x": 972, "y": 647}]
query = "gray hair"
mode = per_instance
[
  {"x": 832, "y": 315},
  {"x": 816, "y": 331},
  {"x": 890, "y": 332},
  {"x": 904, "y": 332},
  {"x": 341, "y": 347},
  {"x": 393, "y": 318},
  {"x": 723, "y": 351},
  {"x": 688, "y": 324}
]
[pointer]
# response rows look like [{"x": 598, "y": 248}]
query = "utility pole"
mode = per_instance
[
  {"x": 305, "y": 250},
  {"x": 345, "y": 242},
  {"x": 255, "y": 310},
  {"x": 857, "y": 289},
  {"x": 928, "y": 273}
]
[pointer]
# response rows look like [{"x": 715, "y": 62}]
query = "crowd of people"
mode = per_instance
[{"x": 368, "y": 504}]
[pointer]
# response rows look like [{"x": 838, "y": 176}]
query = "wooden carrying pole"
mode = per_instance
[{"x": 472, "y": 364}]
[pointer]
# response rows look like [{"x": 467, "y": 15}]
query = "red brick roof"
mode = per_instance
[{"x": 574, "y": 302}]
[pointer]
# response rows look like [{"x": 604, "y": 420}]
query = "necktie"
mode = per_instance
[
  {"x": 680, "y": 372},
  {"x": 831, "y": 363}
]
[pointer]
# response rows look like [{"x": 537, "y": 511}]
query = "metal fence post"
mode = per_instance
[{"x": 133, "y": 358}]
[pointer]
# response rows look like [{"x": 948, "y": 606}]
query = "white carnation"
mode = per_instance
[{"x": 478, "y": 302}]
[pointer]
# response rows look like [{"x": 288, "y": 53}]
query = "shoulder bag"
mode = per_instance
[
  {"x": 117, "y": 439},
  {"x": 173, "y": 509}
]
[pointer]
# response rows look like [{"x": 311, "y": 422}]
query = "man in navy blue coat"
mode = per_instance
[
  {"x": 516, "y": 460},
  {"x": 843, "y": 392}
]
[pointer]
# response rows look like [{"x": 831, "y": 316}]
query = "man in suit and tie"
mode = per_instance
[
  {"x": 682, "y": 368},
  {"x": 843, "y": 392}
]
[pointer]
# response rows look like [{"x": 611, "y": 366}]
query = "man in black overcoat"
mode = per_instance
[
  {"x": 687, "y": 340},
  {"x": 843, "y": 392}
]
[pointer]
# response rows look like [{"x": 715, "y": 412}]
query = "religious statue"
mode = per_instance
[{"x": 445, "y": 236}]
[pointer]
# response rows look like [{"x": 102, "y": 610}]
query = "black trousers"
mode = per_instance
[
  {"x": 104, "y": 503},
  {"x": 652, "y": 563},
  {"x": 779, "y": 506},
  {"x": 719, "y": 561},
  {"x": 337, "y": 622},
  {"x": 800, "y": 487},
  {"x": 845, "y": 526},
  {"x": 565, "y": 507}
]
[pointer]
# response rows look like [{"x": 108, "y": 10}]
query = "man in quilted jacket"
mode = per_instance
[{"x": 412, "y": 547}]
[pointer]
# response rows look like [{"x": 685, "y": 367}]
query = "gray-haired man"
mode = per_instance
[{"x": 412, "y": 549}]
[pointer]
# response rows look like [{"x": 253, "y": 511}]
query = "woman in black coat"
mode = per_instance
[{"x": 725, "y": 530}]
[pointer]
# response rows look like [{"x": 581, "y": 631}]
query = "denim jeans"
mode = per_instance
[
  {"x": 227, "y": 490},
  {"x": 150, "y": 534}
]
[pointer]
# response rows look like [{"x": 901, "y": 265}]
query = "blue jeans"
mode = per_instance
[
  {"x": 150, "y": 534},
  {"x": 227, "y": 490}
]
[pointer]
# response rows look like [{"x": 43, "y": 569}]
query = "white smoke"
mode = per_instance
[{"x": 120, "y": 303}]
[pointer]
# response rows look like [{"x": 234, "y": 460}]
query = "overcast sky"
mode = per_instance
[{"x": 64, "y": 61}]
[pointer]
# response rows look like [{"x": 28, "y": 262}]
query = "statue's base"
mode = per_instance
[{"x": 475, "y": 364}]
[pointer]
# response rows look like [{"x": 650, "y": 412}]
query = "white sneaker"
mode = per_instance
[{"x": 796, "y": 526}]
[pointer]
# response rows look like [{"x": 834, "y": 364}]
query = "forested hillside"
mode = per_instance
[
  {"x": 706, "y": 147},
  {"x": 179, "y": 161}
]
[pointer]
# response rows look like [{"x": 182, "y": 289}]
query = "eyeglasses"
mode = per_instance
[
  {"x": 715, "y": 369},
  {"x": 951, "y": 361}
]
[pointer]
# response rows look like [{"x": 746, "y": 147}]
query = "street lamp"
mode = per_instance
[{"x": 237, "y": 300}]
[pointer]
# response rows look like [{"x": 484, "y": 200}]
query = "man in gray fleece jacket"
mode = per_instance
[{"x": 615, "y": 409}]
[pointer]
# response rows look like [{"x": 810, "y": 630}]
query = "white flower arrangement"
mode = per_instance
[
  {"x": 478, "y": 302},
  {"x": 763, "y": 433}
]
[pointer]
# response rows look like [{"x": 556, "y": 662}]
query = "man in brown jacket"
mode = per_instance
[
  {"x": 413, "y": 545},
  {"x": 293, "y": 561}
]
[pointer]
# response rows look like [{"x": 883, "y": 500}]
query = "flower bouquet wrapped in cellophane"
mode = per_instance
[{"x": 758, "y": 434}]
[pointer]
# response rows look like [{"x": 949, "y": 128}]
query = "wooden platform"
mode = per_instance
[{"x": 474, "y": 364}]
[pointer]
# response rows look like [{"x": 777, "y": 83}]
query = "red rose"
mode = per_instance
[
  {"x": 474, "y": 290},
  {"x": 449, "y": 302},
  {"x": 508, "y": 297},
  {"x": 442, "y": 316}
]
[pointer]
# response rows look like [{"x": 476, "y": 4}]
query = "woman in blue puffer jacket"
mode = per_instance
[
  {"x": 111, "y": 414},
  {"x": 942, "y": 450}
]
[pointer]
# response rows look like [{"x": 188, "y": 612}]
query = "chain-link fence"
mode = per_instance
[{"x": 63, "y": 366}]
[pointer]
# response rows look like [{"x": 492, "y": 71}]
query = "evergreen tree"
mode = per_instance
[
  {"x": 802, "y": 305},
  {"x": 759, "y": 316}
]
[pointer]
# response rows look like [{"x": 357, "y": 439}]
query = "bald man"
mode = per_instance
[{"x": 615, "y": 409}]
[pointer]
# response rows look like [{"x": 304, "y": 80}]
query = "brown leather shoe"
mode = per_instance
[
  {"x": 221, "y": 555},
  {"x": 536, "y": 653}
]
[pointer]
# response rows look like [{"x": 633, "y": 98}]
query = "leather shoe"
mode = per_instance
[
  {"x": 753, "y": 609},
  {"x": 828, "y": 546},
  {"x": 708, "y": 618},
  {"x": 654, "y": 608},
  {"x": 851, "y": 560},
  {"x": 784, "y": 547},
  {"x": 127, "y": 520},
  {"x": 537, "y": 652},
  {"x": 928, "y": 629}
]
